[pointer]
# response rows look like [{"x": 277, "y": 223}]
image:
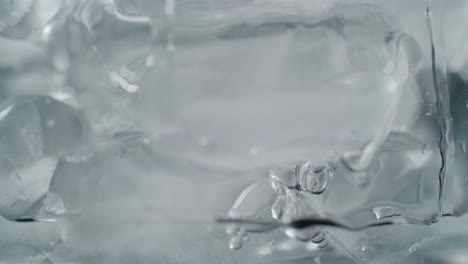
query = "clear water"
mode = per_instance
[{"x": 318, "y": 131}]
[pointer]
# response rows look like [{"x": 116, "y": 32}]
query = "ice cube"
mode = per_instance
[{"x": 34, "y": 132}]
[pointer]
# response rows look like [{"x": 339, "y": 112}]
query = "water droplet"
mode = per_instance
[
  {"x": 385, "y": 212},
  {"x": 315, "y": 178},
  {"x": 318, "y": 260},
  {"x": 236, "y": 242},
  {"x": 466, "y": 179},
  {"x": 463, "y": 146}
]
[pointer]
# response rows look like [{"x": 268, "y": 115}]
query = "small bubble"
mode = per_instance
[
  {"x": 320, "y": 240},
  {"x": 236, "y": 242},
  {"x": 318, "y": 260},
  {"x": 463, "y": 146},
  {"x": 315, "y": 178}
]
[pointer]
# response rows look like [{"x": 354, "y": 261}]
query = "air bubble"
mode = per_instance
[
  {"x": 236, "y": 242},
  {"x": 314, "y": 178}
]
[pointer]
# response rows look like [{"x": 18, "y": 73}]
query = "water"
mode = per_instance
[{"x": 320, "y": 129}]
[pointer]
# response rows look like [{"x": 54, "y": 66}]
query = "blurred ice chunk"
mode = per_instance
[
  {"x": 34, "y": 133},
  {"x": 24, "y": 19},
  {"x": 12, "y": 11}
]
